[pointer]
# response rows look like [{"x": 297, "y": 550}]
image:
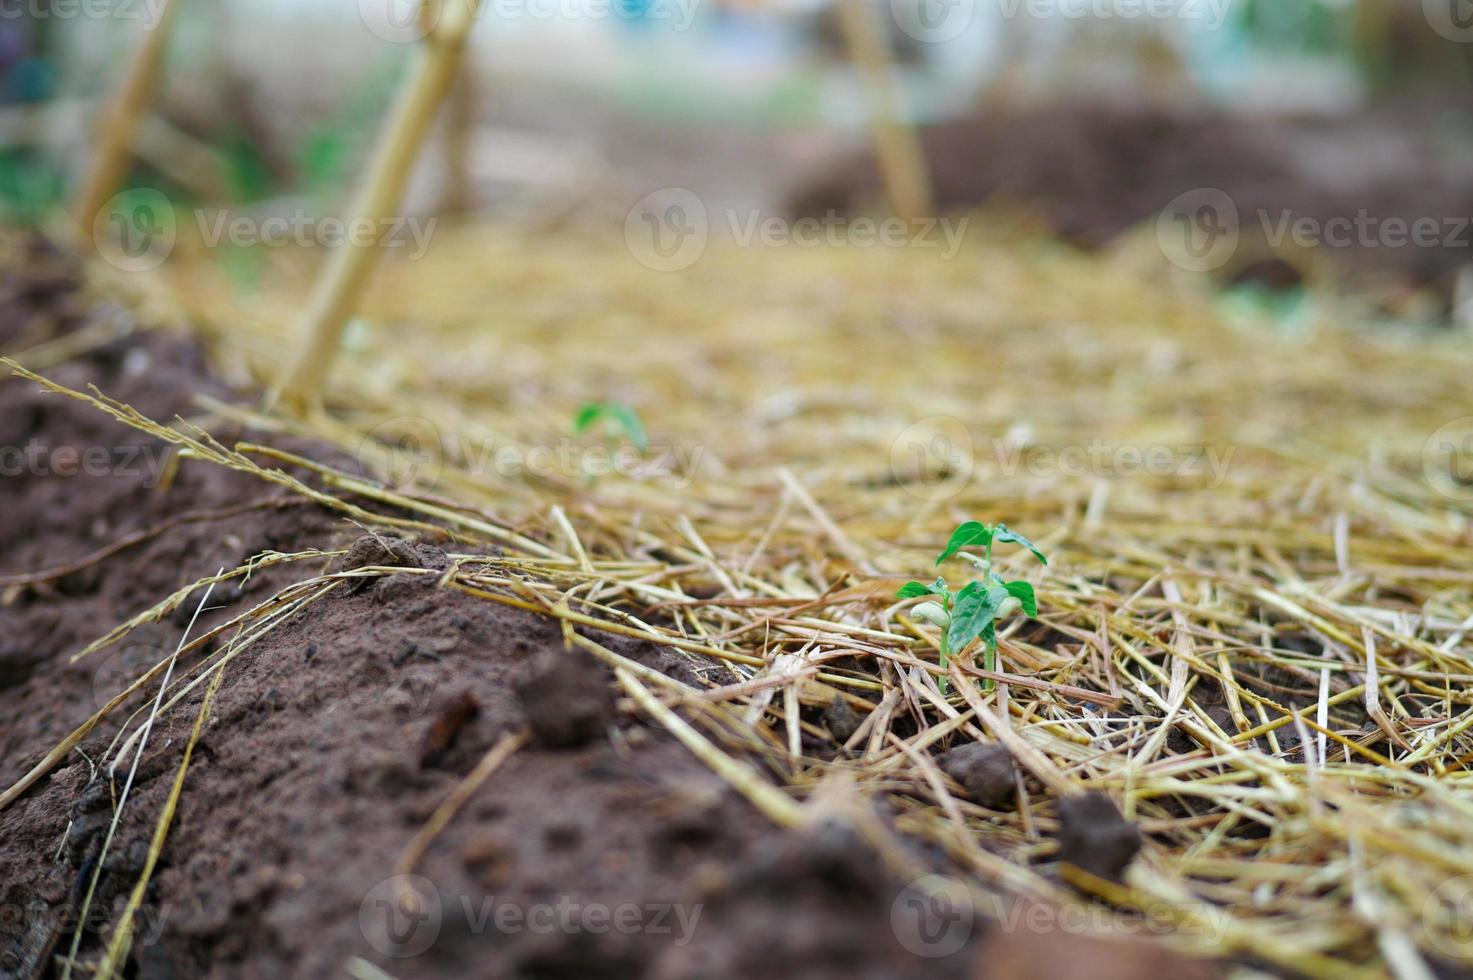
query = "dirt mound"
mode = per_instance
[
  {"x": 1094, "y": 171},
  {"x": 602, "y": 847}
]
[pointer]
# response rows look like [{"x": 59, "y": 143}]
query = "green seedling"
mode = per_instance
[
  {"x": 617, "y": 418},
  {"x": 975, "y": 609}
]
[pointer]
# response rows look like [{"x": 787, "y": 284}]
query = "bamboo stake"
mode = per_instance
[
  {"x": 897, "y": 145},
  {"x": 115, "y": 139},
  {"x": 340, "y": 287},
  {"x": 460, "y": 126}
]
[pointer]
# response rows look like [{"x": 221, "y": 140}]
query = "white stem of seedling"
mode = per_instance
[{"x": 936, "y": 614}]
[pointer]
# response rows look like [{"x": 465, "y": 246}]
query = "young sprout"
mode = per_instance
[
  {"x": 617, "y": 417},
  {"x": 974, "y": 610}
]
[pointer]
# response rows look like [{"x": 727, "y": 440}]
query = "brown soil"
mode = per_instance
[
  {"x": 601, "y": 848},
  {"x": 1094, "y": 171}
]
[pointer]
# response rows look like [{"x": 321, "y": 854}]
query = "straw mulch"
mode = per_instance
[{"x": 1255, "y": 625}]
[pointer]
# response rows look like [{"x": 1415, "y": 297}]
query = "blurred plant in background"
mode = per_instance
[{"x": 29, "y": 186}]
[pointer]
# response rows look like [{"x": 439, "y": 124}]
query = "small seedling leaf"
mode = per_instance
[
  {"x": 587, "y": 415},
  {"x": 620, "y": 417},
  {"x": 911, "y": 590},
  {"x": 1003, "y": 534},
  {"x": 1023, "y": 592},
  {"x": 975, "y": 609},
  {"x": 965, "y": 536}
]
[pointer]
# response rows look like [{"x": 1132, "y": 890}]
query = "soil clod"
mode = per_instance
[
  {"x": 985, "y": 771},
  {"x": 842, "y": 721},
  {"x": 377, "y": 550},
  {"x": 445, "y": 730},
  {"x": 1094, "y": 837},
  {"x": 566, "y": 700}
]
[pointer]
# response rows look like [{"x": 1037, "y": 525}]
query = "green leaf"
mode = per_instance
[
  {"x": 976, "y": 607},
  {"x": 1003, "y": 534},
  {"x": 621, "y": 417},
  {"x": 965, "y": 536},
  {"x": 587, "y": 415},
  {"x": 911, "y": 590},
  {"x": 1023, "y": 592}
]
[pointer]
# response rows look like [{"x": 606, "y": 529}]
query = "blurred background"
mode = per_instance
[{"x": 1084, "y": 119}]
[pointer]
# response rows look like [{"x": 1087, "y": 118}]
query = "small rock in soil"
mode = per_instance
[
  {"x": 842, "y": 720},
  {"x": 445, "y": 730},
  {"x": 566, "y": 699},
  {"x": 377, "y": 550},
  {"x": 402, "y": 587},
  {"x": 984, "y": 771},
  {"x": 1094, "y": 837},
  {"x": 380, "y": 773},
  {"x": 489, "y": 857}
]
